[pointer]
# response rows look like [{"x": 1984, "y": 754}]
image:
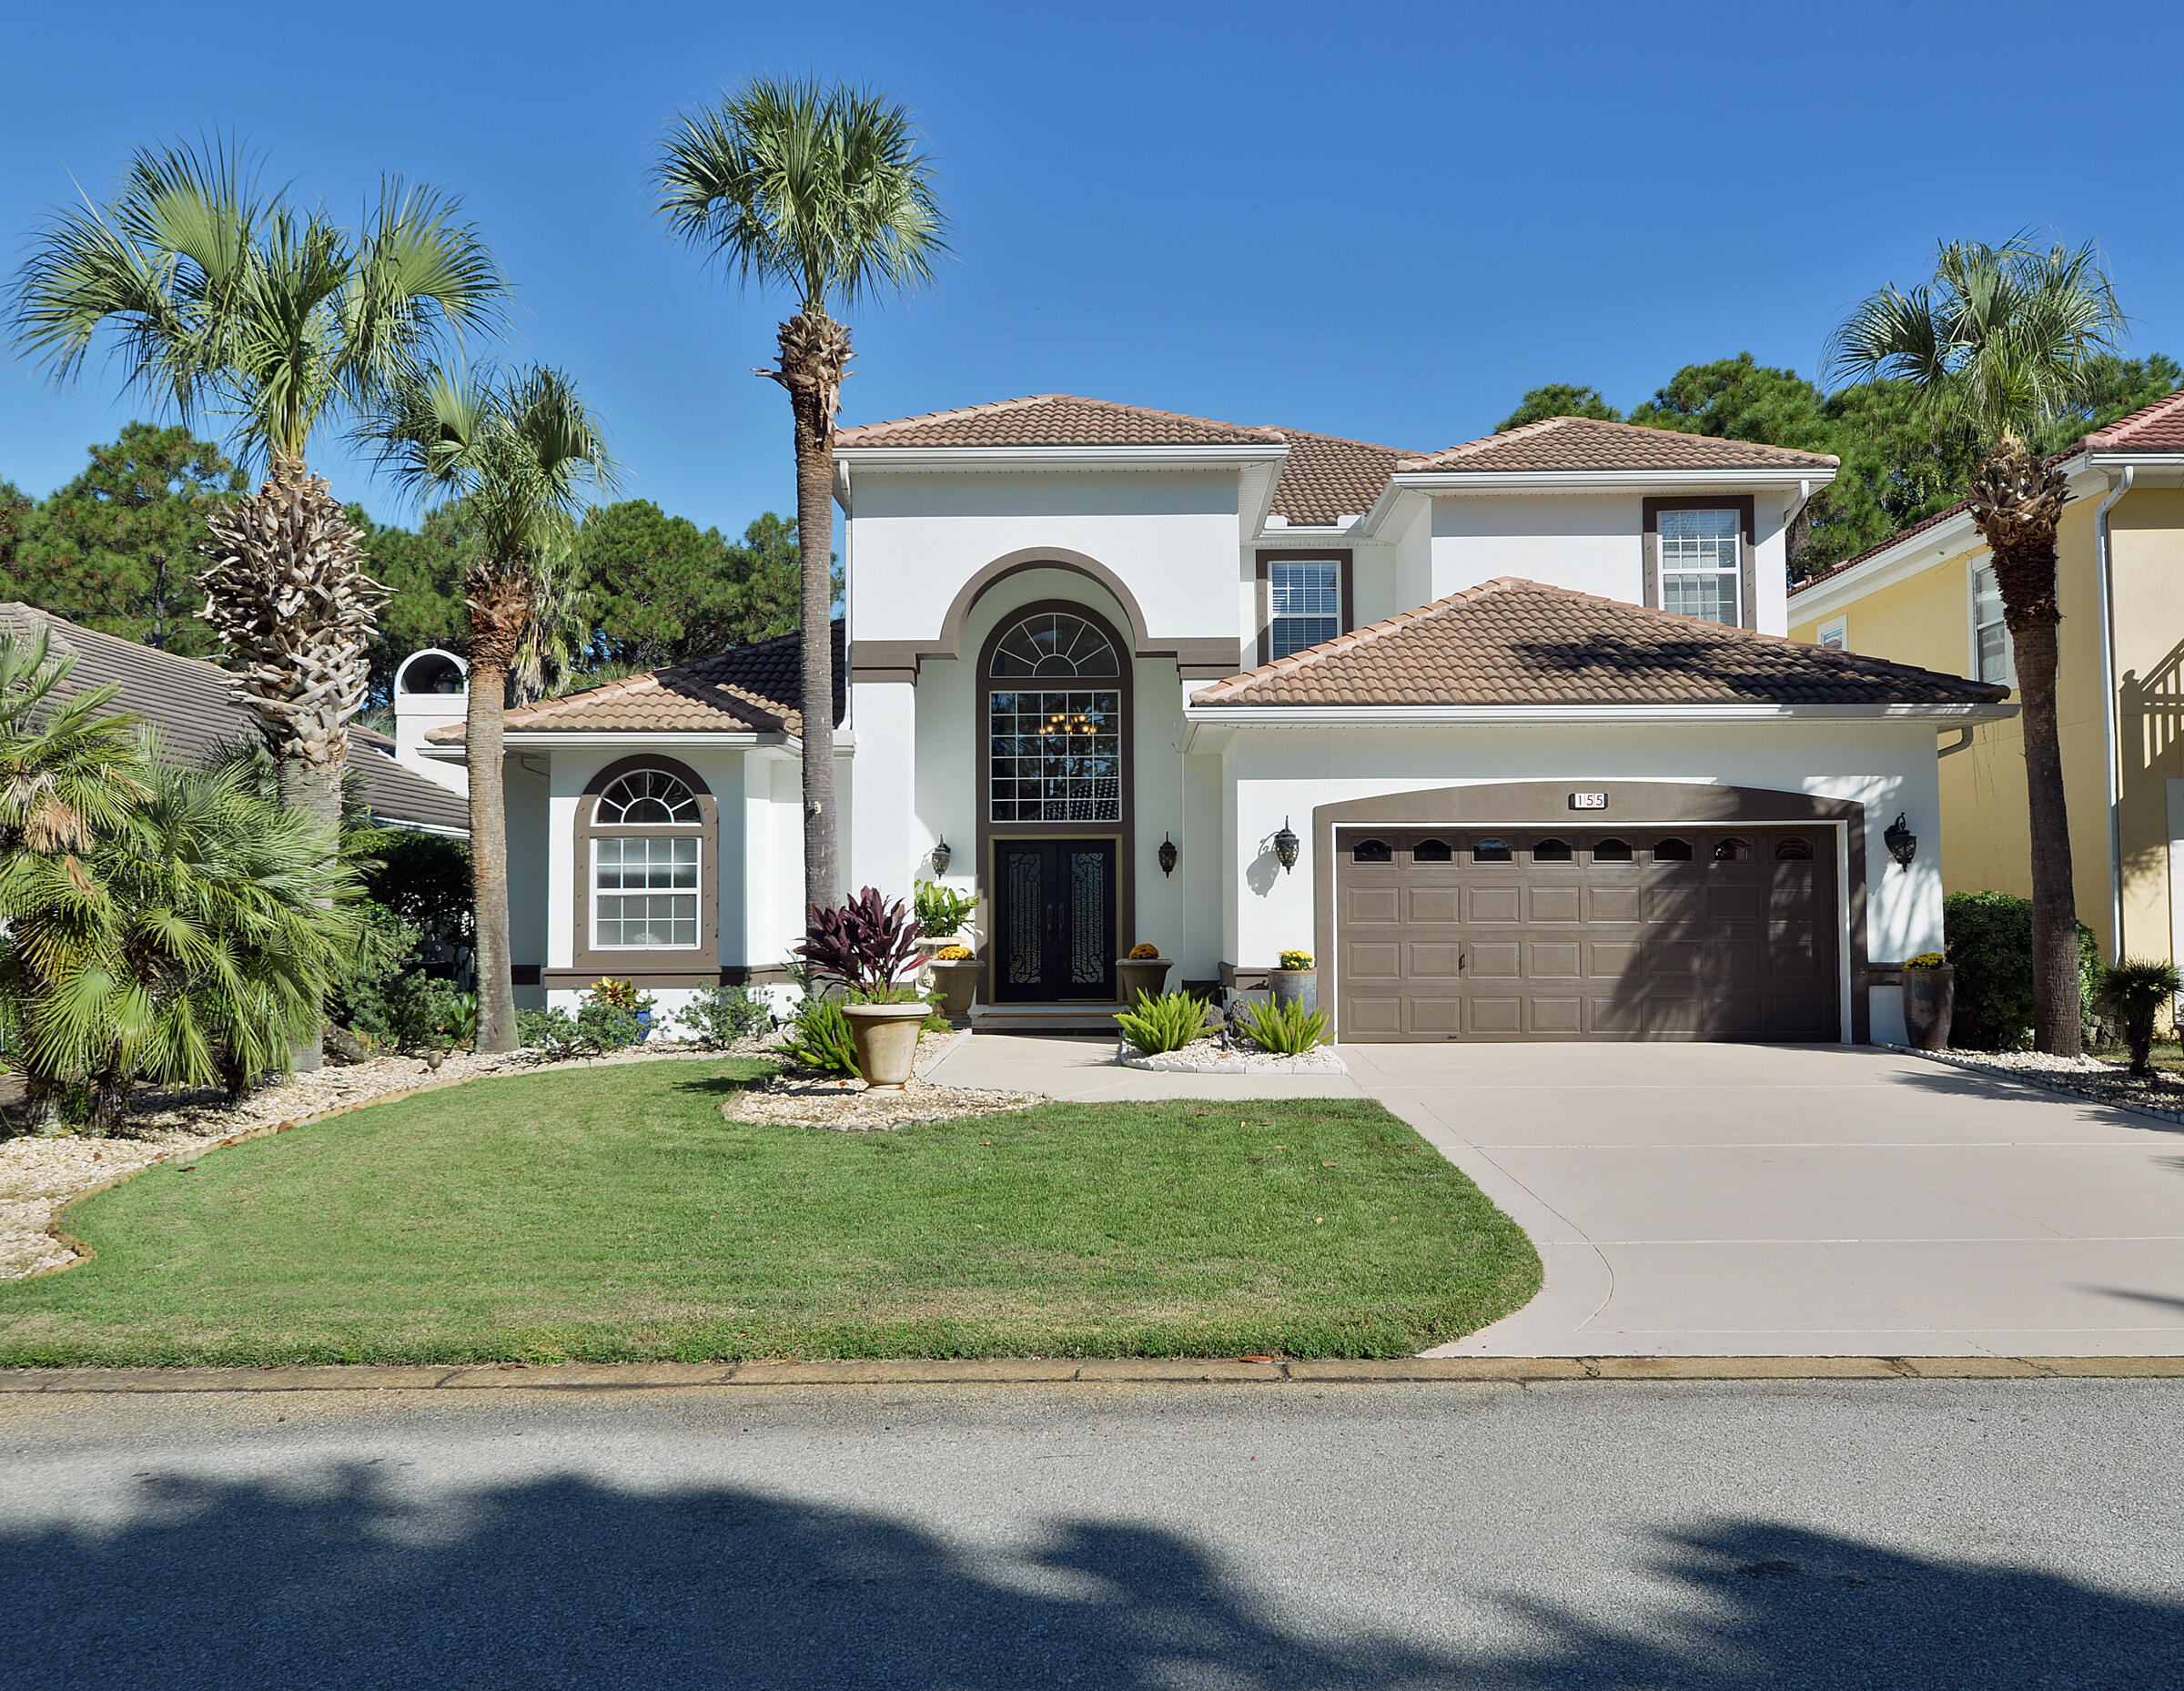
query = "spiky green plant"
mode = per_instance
[
  {"x": 1166, "y": 1023},
  {"x": 2136, "y": 989},
  {"x": 1288, "y": 1029},
  {"x": 820, "y": 1038}
]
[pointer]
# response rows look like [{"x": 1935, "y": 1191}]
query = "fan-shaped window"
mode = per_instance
[
  {"x": 1551, "y": 850},
  {"x": 1055, "y": 644},
  {"x": 1431, "y": 851},
  {"x": 1492, "y": 851},
  {"x": 1792, "y": 851},
  {"x": 1672, "y": 851},
  {"x": 1731, "y": 851},
  {"x": 1611, "y": 851},
  {"x": 1372, "y": 851},
  {"x": 647, "y": 797}
]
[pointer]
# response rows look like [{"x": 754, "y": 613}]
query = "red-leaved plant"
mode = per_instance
[{"x": 865, "y": 945}]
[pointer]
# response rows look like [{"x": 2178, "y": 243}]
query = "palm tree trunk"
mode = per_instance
[
  {"x": 500, "y": 607},
  {"x": 2017, "y": 501},
  {"x": 814, "y": 357}
]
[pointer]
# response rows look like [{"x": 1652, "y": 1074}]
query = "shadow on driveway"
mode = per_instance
[{"x": 567, "y": 1584}]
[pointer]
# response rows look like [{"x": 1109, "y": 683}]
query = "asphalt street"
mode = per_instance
[{"x": 1902, "y": 1534}]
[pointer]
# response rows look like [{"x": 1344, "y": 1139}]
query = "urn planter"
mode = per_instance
[
  {"x": 886, "y": 1037},
  {"x": 1140, "y": 975},
  {"x": 1300, "y": 986},
  {"x": 956, "y": 981},
  {"x": 1929, "y": 1003}
]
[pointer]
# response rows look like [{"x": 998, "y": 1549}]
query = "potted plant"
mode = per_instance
[
  {"x": 1296, "y": 981},
  {"x": 867, "y": 946},
  {"x": 955, "y": 973},
  {"x": 944, "y": 917},
  {"x": 1929, "y": 1001},
  {"x": 1142, "y": 974}
]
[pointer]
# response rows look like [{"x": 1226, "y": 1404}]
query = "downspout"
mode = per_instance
[{"x": 2105, "y": 575}]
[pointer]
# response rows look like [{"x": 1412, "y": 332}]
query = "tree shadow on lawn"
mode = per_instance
[{"x": 355, "y": 1581}]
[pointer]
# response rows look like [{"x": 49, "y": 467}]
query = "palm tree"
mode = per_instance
[
  {"x": 2001, "y": 342},
  {"x": 820, "y": 189},
  {"x": 220, "y": 297},
  {"x": 521, "y": 453}
]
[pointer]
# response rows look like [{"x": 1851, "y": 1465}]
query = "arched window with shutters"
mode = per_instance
[{"x": 647, "y": 874}]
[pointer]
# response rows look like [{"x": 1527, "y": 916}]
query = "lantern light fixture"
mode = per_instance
[
  {"x": 1285, "y": 848},
  {"x": 1167, "y": 854},
  {"x": 1903, "y": 844},
  {"x": 941, "y": 853}
]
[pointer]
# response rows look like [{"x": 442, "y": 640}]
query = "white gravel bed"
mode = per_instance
[
  {"x": 1207, "y": 1057},
  {"x": 2160, "y": 1096},
  {"x": 804, "y": 1098},
  {"x": 38, "y": 1176}
]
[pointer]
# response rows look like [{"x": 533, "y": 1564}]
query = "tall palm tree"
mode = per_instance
[
  {"x": 220, "y": 297},
  {"x": 522, "y": 455},
  {"x": 2001, "y": 342},
  {"x": 820, "y": 189}
]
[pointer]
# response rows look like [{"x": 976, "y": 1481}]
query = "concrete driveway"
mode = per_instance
[{"x": 1718, "y": 1200}]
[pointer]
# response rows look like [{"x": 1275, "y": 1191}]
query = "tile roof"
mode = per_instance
[
  {"x": 1511, "y": 641},
  {"x": 1565, "y": 443},
  {"x": 190, "y": 704},
  {"x": 1326, "y": 477},
  {"x": 1055, "y": 419},
  {"x": 746, "y": 690},
  {"x": 2156, "y": 427}
]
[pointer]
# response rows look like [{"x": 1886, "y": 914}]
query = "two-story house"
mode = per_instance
[
  {"x": 1927, "y": 595},
  {"x": 1509, "y": 735}
]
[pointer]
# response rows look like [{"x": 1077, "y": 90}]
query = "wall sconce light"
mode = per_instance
[
  {"x": 1903, "y": 844},
  {"x": 1167, "y": 854},
  {"x": 941, "y": 853},
  {"x": 1285, "y": 848}
]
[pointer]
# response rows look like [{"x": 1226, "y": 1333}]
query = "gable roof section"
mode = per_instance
[
  {"x": 190, "y": 704},
  {"x": 746, "y": 690},
  {"x": 1325, "y": 478},
  {"x": 1055, "y": 420},
  {"x": 1519, "y": 643},
  {"x": 2156, "y": 427},
  {"x": 1581, "y": 443}
]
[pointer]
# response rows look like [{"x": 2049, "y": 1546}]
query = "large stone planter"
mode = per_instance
[
  {"x": 1929, "y": 1004},
  {"x": 1140, "y": 975},
  {"x": 1300, "y": 986},
  {"x": 886, "y": 1037},
  {"x": 956, "y": 981}
]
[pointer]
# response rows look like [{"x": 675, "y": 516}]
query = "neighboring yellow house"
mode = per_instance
[{"x": 1927, "y": 597}]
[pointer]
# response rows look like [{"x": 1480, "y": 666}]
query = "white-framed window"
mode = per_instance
[
  {"x": 1836, "y": 635},
  {"x": 1990, "y": 635},
  {"x": 645, "y": 892},
  {"x": 1701, "y": 564},
  {"x": 1304, "y": 604}
]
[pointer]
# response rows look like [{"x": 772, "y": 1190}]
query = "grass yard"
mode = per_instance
[{"x": 613, "y": 1214}]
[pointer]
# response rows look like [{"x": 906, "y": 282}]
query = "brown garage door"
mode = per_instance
[{"x": 1637, "y": 934}]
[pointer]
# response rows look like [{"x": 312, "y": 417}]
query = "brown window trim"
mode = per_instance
[
  {"x": 1295, "y": 554},
  {"x": 1747, "y": 575},
  {"x": 624, "y": 962}
]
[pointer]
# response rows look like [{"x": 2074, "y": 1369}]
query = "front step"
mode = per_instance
[{"x": 1045, "y": 1018}]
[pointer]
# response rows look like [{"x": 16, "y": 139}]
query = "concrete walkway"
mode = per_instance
[{"x": 1762, "y": 1201}]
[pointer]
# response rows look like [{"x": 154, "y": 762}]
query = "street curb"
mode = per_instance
[{"x": 1065, "y": 1371}]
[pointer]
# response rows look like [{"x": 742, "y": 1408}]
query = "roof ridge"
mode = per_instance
[
  {"x": 1074, "y": 399},
  {"x": 1357, "y": 637},
  {"x": 1338, "y": 440},
  {"x": 1546, "y": 425},
  {"x": 2112, "y": 434}
]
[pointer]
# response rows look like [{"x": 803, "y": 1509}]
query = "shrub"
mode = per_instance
[
  {"x": 1296, "y": 959},
  {"x": 1142, "y": 953},
  {"x": 1166, "y": 1023},
  {"x": 2135, "y": 991},
  {"x": 552, "y": 1031},
  {"x": 865, "y": 944},
  {"x": 719, "y": 1015},
  {"x": 614, "y": 1014},
  {"x": 819, "y": 1037},
  {"x": 941, "y": 910},
  {"x": 1990, "y": 942},
  {"x": 1287, "y": 1030},
  {"x": 425, "y": 880}
]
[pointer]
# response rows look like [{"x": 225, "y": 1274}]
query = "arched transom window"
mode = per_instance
[
  {"x": 646, "y": 796},
  {"x": 1054, "y": 748},
  {"x": 645, "y": 891}
]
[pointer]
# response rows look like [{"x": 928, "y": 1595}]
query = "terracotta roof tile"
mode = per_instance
[
  {"x": 1587, "y": 443},
  {"x": 2156, "y": 427},
  {"x": 1055, "y": 420},
  {"x": 1512, "y": 642},
  {"x": 746, "y": 690},
  {"x": 1326, "y": 477}
]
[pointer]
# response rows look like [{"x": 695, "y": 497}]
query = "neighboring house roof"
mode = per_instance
[
  {"x": 1580, "y": 443},
  {"x": 2156, "y": 427},
  {"x": 1517, "y": 643},
  {"x": 749, "y": 689},
  {"x": 190, "y": 704},
  {"x": 1055, "y": 420},
  {"x": 1325, "y": 478}
]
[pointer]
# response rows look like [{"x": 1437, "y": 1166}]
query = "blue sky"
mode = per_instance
[{"x": 1386, "y": 222}]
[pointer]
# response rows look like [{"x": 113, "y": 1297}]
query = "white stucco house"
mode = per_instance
[{"x": 1520, "y": 715}]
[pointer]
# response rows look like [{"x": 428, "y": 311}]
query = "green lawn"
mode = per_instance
[{"x": 612, "y": 1214}]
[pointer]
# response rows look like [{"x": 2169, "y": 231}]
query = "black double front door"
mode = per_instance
[{"x": 1054, "y": 920}]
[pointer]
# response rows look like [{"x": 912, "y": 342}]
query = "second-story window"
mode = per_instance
[
  {"x": 1701, "y": 564},
  {"x": 1304, "y": 604},
  {"x": 1990, "y": 635}
]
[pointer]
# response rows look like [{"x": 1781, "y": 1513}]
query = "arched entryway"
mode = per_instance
[{"x": 1054, "y": 802}]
